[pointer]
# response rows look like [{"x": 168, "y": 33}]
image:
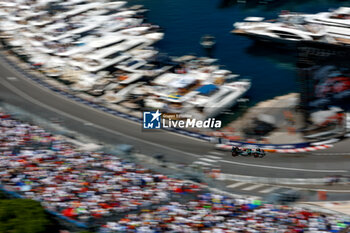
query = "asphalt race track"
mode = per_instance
[{"x": 106, "y": 128}]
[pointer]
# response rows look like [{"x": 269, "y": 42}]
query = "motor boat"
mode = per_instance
[
  {"x": 292, "y": 28},
  {"x": 104, "y": 50},
  {"x": 337, "y": 18},
  {"x": 210, "y": 100},
  {"x": 207, "y": 41},
  {"x": 336, "y": 23},
  {"x": 196, "y": 94},
  {"x": 282, "y": 32}
]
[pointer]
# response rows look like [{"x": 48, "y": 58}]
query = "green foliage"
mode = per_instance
[
  {"x": 2, "y": 196},
  {"x": 22, "y": 216}
]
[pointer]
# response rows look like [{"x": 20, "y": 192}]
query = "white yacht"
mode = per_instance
[
  {"x": 118, "y": 24},
  {"x": 195, "y": 93},
  {"x": 144, "y": 31},
  {"x": 92, "y": 45},
  {"x": 140, "y": 63},
  {"x": 77, "y": 10},
  {"x": 292, "y": 28},
  {"x": 338, "y": 18},
  {"x": 336, "y": 23},
  {"x": 210, "y": 100},
  {"x": 131, "y": 65},
  {"x": 110, "y": 55},
  {"x": 289, "y": 31},
  {"x": 104, "y": 60}
]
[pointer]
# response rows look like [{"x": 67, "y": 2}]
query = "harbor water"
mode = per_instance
[{"x": 272, "y": 71}]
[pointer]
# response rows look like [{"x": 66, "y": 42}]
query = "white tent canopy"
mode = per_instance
[{"x": 182, "y": 81}]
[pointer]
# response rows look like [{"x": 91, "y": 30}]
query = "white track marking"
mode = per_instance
[
  {"x": 235, "y": 185},
  {"x": 330, "y": 141},
  {"x": 208, "y": 160},
  {"x": 269, "y": 190},
  {"x": 284, "y": 168},
  {"x": 335, "y": 153},
  {"x": 203, "y": 163},
  {"x": 253, "y": 187},
  {"x": 213, "y": 157},
  {"x": 12, "y": 78}
]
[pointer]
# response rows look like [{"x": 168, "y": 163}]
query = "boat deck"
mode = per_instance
[
  {"x": 238, "y": 31},
  {"x": 342, "y": 40}
]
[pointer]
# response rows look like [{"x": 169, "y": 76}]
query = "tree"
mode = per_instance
[{"x": 23, "y": 216}]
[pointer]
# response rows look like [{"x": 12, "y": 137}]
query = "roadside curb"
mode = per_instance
[
  {"x": 306, "y": 149},
  {"x": 228, "y": 147}
]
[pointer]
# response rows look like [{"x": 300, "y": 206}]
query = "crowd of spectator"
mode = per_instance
[
  {"x": 219, "y": 214},
  {"x": 89, "y": 185},
  {"x": 77, "y": 184}
]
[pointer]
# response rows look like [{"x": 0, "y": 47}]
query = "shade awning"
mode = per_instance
[{"x": 207, "y": 89}]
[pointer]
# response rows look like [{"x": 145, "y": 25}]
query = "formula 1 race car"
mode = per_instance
[{"x": 256, "y": 152}]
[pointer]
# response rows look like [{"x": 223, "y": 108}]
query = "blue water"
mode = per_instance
[{"x": 185, "y": 21}]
